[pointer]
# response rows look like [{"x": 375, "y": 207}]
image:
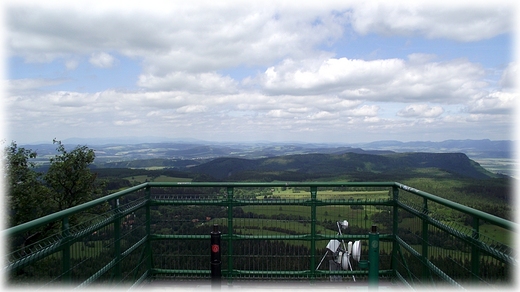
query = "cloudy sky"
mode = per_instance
[{"x": 310, "y": 71}]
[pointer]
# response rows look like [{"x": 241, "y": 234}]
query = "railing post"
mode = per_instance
[
  {"x": 117, "y": 241},
  {"x": 395, "y": 227},
  {"x": 373, "y": 257},
  {"x": 148, "y": 246},
  {"x": 216, "y": 263},
  {"x": 314, "y": 191},
  {"x": 475, "y": 251},
  {"x": 230, "y": 232},
  {"x": 424, "y": 235},
  {"x": 65, "y": 232}
]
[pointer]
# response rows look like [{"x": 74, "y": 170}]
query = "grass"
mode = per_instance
[
  {"x": 80, "y": 250},
  {"x": 257, "y": 226},
  {"x": 164, "y": 178},
  {"x": 496, "y": 233},
  {"x": 291, "y": 193},
  {"x": 139, "y": 179},
  {"x": 93, "y": 249},
  {"x": 355, "y": 217}
]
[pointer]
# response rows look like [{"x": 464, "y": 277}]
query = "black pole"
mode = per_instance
[{"x": 216, "y": 262}]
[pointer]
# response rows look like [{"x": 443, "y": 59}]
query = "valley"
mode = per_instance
[
  {"x": 494, "y": 156},
  {"x": 479, "y": 174}
]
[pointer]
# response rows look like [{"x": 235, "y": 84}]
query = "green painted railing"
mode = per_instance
[{"x": 271, "y": 231}]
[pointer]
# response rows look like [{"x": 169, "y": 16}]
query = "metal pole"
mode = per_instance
[
  {"x": 230, "y": 233},
  {"x": 373, "y": 258},
  {"x": 148, "y": 246},
  {"x": 314, "y": 191},
  {"x": 65, "y": 232},
  {"x": 424, "y": 249},
  {"x": 117, "y": 241},
  {"x": 216, "y": 262},
  {"x": 475, "y": 251},
  {"x": 395, "y": 228}
]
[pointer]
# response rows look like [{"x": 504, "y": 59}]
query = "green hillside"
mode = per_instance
[
  {"x": 348, "y": 165},
  {"x": 449, "y": 175}
]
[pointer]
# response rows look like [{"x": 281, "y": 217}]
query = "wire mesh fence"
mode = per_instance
[
  {"x": 451, "y": 245},
  {"x": 96, "y": 244},
  {"x": 268, "y": 231}
]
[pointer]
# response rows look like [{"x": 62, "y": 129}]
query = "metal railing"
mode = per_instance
[{"x": 271, "y": 231}]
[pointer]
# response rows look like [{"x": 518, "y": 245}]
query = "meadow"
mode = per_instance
[
  {"x": 139, "y": 179},
  {"x": 360, "y": 216}
]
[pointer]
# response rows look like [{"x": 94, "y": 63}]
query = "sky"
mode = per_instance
[{"x": 309, "y": 71}]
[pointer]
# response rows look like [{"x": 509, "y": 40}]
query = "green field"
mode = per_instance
[
  {"x": 362, "y": 216},
  {"x": 290, "y": 193},
  {"x": 264, "y": 219},
  {"x": 139, "y": 179}
]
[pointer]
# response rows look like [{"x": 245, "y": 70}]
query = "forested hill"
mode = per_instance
[{"x": 353, "y": 165}]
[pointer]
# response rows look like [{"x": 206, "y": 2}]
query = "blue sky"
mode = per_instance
[
  {"x": 333, "y": 71},
  {"x": 85, "y": 77}
]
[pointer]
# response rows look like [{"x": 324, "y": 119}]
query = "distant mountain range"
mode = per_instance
[
  {"x": 485, "y": 145},
  {"x": 127, "y": 149},
  {"x": 228, "y": 160},
  {"x": 130, "y": 140},
  {"x": 475, "y": 148}
]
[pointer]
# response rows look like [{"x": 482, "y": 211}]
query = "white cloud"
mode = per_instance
[
  {"x": 185, "y": 51},
  {"x": 178, "y": 37},
  {"x": 510, "y": 77},
  {"x": 381, "y": 80},
  {"x": 494, "y": 103},
  {"x": 421, "y": 110},
  {"x": 189, "y": 109},
  {"x": 349, "y": 103},
  {"x": 318, "y": 76},
  {"x": 69, "y": 99},
  {"x": 194, "y": 36},
  {"x": 24, "y": 86},
  {"x": 459, "y": 20},
  {"x": 366, "y": 111},
  {"x": 127, "y": 122},
  {"x": 102, "y": 60},
  {"x": 71, "y": 64},
  {"x": 203, "y": 82},
  {"x": 323, "y": 115},
  {"x": 420, "y": 59},
  {"x": 278, "y": 113}
]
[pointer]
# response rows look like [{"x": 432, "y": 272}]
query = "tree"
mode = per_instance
[
  {"x": 67, "y": 183},
  {"x": 69, "y": 178},
  {"x": 26, "y": 196}
]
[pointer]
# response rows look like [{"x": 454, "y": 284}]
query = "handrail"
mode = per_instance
[
  {"x": 76, "y": 209},
  {"x": 64, "y": 213},
  {"x": 270, "y": 184},
  {"x": 67, "y": 212},
  {"x": 509, "y": 225}
]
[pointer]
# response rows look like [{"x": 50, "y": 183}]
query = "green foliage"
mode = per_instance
[
  {"x": 69, "y": 178},
  {"x": 67, "y": 182},
  {"x": 449, "y": 175},
  {"x": 27, "y": 198},
  {"x": 357, "y": 167},
  {"x": 493, "y": 195}
]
